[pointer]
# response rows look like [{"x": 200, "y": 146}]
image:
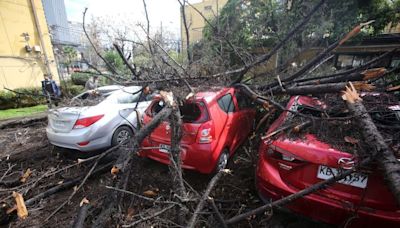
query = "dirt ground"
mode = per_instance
[{"x": 26, "y": 147}]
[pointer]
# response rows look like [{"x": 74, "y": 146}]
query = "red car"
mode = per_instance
[
  {"x": 215, "y": 124},
  {"x": 287, "y": 165}
]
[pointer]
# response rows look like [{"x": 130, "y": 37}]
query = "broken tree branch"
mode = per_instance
[
  {"x": 83, "y": 211},
  {"x": 324, "y": 88},
  {"x": 380, "y": 150},
  {"x": 203, "y": 200},
  {"x": 130, "y": 67}
]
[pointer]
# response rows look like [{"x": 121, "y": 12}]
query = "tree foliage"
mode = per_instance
[{"x": 252, "y": 24}]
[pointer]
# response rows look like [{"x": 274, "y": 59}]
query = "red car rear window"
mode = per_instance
[{"x": 190, "y": 112}]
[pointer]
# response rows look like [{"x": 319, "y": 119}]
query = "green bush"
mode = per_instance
[
  {"x": 75, "y": 89},
  {"x": 28, "y": 97},
  {"x": 80, "y": 78}
]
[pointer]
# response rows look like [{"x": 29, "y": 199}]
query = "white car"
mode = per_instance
[{"x": 106, "y": 124}]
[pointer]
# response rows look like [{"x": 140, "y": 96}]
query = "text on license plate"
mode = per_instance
[
  {"x": 355, "y": 179},
  {"x": 164, "y": 148}
]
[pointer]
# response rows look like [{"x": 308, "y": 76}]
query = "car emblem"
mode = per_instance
[{"x": 346, "y": 163}]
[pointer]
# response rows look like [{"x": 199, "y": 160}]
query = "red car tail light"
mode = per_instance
[
  {"x": 283, "y": 155},
  {"x": 86, "y": 122},
  {"x": 84, "y": 143},
  {"x": 206, "y": 133}
]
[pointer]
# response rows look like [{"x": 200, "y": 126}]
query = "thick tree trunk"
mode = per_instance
[
  {"x": 363, "y": 76},
  {"x": 324, "y": 88},
  {"x": 83, "y": 211},
  {"x": 380, "y": 150},
  {"x": 175, "y": 156}
]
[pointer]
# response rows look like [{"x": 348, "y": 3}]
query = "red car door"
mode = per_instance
[
  {"x": 231, "y": 121},
  {"x": 245, "y": 118}
]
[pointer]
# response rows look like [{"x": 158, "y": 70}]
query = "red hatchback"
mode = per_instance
[
  {"x": 215, "y": 123},
  {"x": 289, "y": 164}
]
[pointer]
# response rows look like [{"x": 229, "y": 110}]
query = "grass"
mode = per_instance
[{"x": 21, "y": 112}]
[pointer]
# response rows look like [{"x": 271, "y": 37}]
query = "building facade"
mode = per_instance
[
  {"x": 195, "y": 22},
  {"x": 26, "y": 52},
  {"x": 56, "y": 16}
]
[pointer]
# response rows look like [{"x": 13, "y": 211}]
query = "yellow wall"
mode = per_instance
[
  {"x": 196, "y": 22},
  {"x": 19, "y": 68}
]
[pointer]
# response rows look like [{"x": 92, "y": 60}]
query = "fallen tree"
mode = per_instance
[{"x": 379, "y": 150}]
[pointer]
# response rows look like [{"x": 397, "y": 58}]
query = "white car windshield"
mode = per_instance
[{"x": 124, "y": 96}]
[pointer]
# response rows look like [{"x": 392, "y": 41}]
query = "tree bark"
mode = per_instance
[
  {"x": 83, "y": 211},
  {"x": 372, "y": 137},
  {"x": 123, "y": 162},
  {"x": 323, "y": 88}
]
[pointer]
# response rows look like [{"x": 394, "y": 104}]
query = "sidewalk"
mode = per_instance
[{"x": 12, "y": 122}]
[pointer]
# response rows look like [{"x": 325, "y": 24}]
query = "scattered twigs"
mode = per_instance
[
  {"x": 203, "y": 200},
  {"x": 77, "y": 188},
  {"x": 143, "y": 219},
  {"x": 292, "y": 126},
  {"x": 373, "y": 138},
  {"x": 65, "y": 185},
  {"x": 216, "y": 211},
  {"x": 10, "y": 167},
  {"x": 142, "y": 197},
  {"x": 297, "y": 195}
]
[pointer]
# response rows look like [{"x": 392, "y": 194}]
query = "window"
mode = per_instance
[
  {"x": 194, "y": 112},
  {"x": 226, "y": 103},
  {"x": 243, "y": 101},
  {"x": 157, "y": 107},
  {"x": 127, "y": 98}
]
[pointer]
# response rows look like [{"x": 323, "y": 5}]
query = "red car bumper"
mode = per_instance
[
  {"x": 317, "y": 206},
  {"x": 199, "y": 157}
]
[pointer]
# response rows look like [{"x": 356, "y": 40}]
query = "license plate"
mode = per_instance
[
  {"x": 60, "y": 123},
  {"x": 355, "y": 179},
  {"x": 164, "y": 148}
]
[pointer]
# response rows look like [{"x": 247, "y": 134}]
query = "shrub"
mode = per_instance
[
  {"x": 80, "y": 78},
  {"x": 28, "y": 97},
  {"x": 75, "y": 89}
]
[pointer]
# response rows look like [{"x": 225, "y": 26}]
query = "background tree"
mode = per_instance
[{"x": 253, "y": 24}]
